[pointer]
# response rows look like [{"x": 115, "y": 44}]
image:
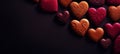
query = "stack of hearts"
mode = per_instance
[{"x": 95, "y": 11}]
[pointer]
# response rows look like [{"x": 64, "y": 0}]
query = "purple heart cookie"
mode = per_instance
[{"x": 105, "y": 42}]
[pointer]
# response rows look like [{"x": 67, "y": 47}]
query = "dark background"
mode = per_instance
[{"x": 24, "y": 30}]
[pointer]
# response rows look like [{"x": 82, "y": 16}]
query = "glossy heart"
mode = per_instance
[
  {"x": 49, "y": 5},
  {"x": 80, "y": 27},
  {"x": 97, "y": 16},
  {"x": 114, "y": 13},
  {"x": 105, "y": 42},
  {"x": 97, "y": 34},
  {"x": 112, "y": 30},
  {"x": 65, "y": 3},
  {"x": 117, "y": 45},
  {"x": 63, "y": 17},
  {"x": 79, "y": 10},
  {"x": 96, "y": 2},
  {"x": 113, "y": 2}
]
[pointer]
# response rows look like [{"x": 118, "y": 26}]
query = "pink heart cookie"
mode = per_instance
[
  {"x": 117, "y": 45},
  {"x": 112, "y": 30},
  {"x": 97, "y": 15},
  {"x": 49, "y": 5}
]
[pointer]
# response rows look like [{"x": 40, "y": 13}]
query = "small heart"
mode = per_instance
[
  {"x": 80, "y": 27},
  {"x": 96, "y": 2},
  {"x": 97, "y": 34},
  {"x": 114, "y": 13},
  {"x": 63, "y": 17},
  {"x": 97, "y": 16},
  {"x": 105, "y": 42},
  {"x": 65, "y": 3},
  {"x": 117, "y": 45},
  {"x": 49, "y": 5},
  {"x": 113, "y": 2},
  {"x": 112, "y": 30},
  {"x": 79, "y": 10}
]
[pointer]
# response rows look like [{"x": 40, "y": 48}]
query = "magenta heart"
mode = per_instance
[
  {"x": 97, "y": 16},
  {"x": 112, "y": 30},
  {"x": 63, "y": 17},
  {"x": 49, "y": 5},
  {"x": 117, "y": 45},
  {"x": 113, "y": 2},
  {"x": 105, "y": 42}
]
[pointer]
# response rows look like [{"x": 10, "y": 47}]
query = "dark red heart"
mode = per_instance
[
  {"x": 97, "y": 16},
  {"x": 117, "y": 45},
  {"x": 112, "y": 30},
  {"x": 63, "y": 16},
  {"x": 105, "y": 42},
  {"x": 96, "y": 2},
  {"x": 113, "y": 2},
  {"x": 49, "y": 5}
]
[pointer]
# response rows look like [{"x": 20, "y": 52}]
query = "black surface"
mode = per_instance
[{"x": 27, "y": 30}]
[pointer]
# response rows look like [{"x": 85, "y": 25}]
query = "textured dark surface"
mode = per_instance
[{"x": 27, "y": 30}]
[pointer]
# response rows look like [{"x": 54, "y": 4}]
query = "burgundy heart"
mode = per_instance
[
  {"x": 97, "y": 16},
  {"x": 112, "y": 30},
  {"x": 117, "y": 45},
  {"x": 63, "y": 16},
  {"x": 113, "y": 2},
  {"x": 49, "y": 5},
  {"x": 105, "y": 42}
]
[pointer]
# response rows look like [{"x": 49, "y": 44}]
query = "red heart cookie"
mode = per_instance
[
  {"x": 112, "y": 30},
  {"x": 117, "y": 45},
  {"x": 105, "y": 42},
  {"x": 63, "y": 17},
  {"x": 97, "y": 16},
  {"x": 113, "y": 2},
  {"x": 79, "y": 10},
  {"x": 49, "y": 5},
  {"x": 114, "y": 13},
  {"x": 97, "y": 34},
  {"x": 80, "y": 27},
  {"x": 65, "y": 3}
]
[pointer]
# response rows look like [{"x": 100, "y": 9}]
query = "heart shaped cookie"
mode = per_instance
[
  {"x": 96, "y": 2},
  {"x": 105, "y": 42},
  {"x": 97, "y": 34},
  {"x": 80, "y": 27},
  {"x": 114, "y": 13},
  {"x": 79, "y": 10},
  {"x": 63, "y": 17},
  {"x": 97, "y": 16},
  {"x": 113, "y": 2},
  {"x": 65, "y": 3},
  {"x": 112, "y": 30},
  {"x": 49, "y": 5},
  {"x": 117, "y": 45}
]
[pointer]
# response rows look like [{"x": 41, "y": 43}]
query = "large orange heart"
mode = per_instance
[
  {"x": 97, "y": 34},
  {"x": 79, "y": 10},
  {"x": 65, "y": 3},
  {"x": 114, "y": 12},
  {"x": 80, "y": 27}
]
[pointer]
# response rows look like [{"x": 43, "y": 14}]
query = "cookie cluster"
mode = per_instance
[{"x": 87, "y": 13}]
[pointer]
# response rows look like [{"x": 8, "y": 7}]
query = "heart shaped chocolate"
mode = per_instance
[
  {"x": 79, "y": 10},
  {"x": 49, "y": 5},
  {"x": 65, "y": 3},
  {"x": 97, "y": 16},
  {"x": 105, "y": 42},
  {"x": 97, "y": 34},
  {"x": 114, "y": 13},
  {"x": 117, "y": 45},
  {"x": 63, "y": 17},
  {"x": 80, "y": 27},
  {"x": 113, "y": 2},
  {"x": 112, "y": 30}
]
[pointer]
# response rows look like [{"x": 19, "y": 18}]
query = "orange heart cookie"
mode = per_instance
[
  {"x": 80, "y": 27},
  {"x": 114, "y": 13},
  {"x": 97, "y": 34},
  {"x": 79, "y": 10},
  {"x": 65, "y": 3}
]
